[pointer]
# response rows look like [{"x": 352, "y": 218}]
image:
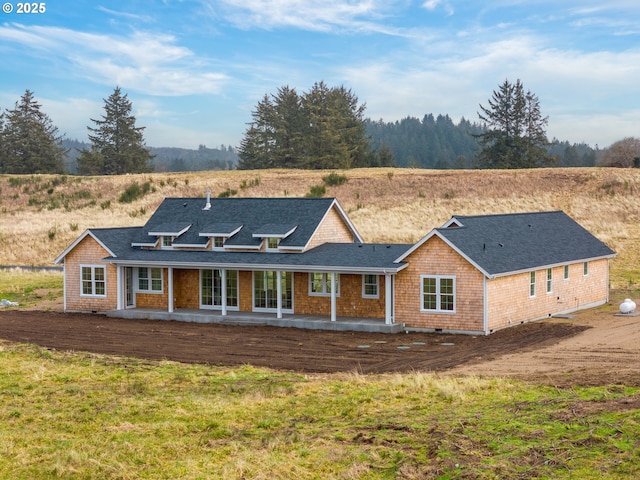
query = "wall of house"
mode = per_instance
[
  {"x": 435, "y": 257},
  {"x": 509, "y": 300},
  {"x": 88, "y": 252},
  {"x": 155, "y": 300},
  {"x": 350, "y": 303},
  {"x": 186, "y": 288},
  {"x": 331, "y": 229}
]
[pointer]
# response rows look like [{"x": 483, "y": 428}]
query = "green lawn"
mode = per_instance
[
  {"x": 28, "y": 287},
  {"x": 85, "y": 416},
  {"x": 78, "y": 415}
]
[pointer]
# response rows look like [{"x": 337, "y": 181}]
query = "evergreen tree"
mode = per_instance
[
  {"x": 117, "y": 145},
  {"x": 29, "y": 142},
  {"x": 257, "y": 144},
  {"x": 515, "y": 136},
  {"x": 323, "y": 128}
]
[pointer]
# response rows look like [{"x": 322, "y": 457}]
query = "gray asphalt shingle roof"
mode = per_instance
[
  {"x": 305, "y": 214},
  {"x": 505, "y": 243},
  {"x": 256, "y": 216},
  {"x": 336, "y": 256},
  {"x": 496, "y": 244}
]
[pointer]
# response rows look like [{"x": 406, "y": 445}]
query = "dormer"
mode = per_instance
[
  {"x": 168, "y": 232},
  {"x": 453, "y": 223},
  {"x": 272, "y": 234},
  {"x": 219, "y": 233}
]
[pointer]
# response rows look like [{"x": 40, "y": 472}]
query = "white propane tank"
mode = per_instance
[{"x": 628, "y": 306}]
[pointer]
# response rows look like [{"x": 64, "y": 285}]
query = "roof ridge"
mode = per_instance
[{"x": 508, "y": 214}]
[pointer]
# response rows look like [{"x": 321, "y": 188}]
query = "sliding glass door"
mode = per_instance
[
  {"x": 211, "y": 289},
  {"x": 265, "y": 291}
]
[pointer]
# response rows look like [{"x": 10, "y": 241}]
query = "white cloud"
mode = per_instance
[
  {"x": 585, "y": 94},
  {"x": 149, "y": 63},
  {"x": 435, "y": 4},
  {"x": 322, "y": 16}
]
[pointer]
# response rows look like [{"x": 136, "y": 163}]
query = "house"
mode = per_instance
[{"x": 301, "y": 262}]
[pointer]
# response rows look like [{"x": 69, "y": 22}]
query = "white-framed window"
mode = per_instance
[
  {"x": 532, "y": 284},
  {"x": 150, "y": 280},
  {"x": 167, "y": 242},
  {"x": 272, "y": 243},
  {"x": 549, "y": 280},
  {"x": 585, "y": 268},
  {"x": 217, "y": 243},
  {"x": 93, "y": 281},
  {"x": 566, "y": 272},
  {"x": 320, "y": 284},
  {"x": 438, "y": 293},
  {"x": 370, "y": 286}
]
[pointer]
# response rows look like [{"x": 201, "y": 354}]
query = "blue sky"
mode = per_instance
[{"x": 195, "y": 69}]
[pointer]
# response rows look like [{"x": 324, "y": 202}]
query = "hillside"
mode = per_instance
[
  {"x": 167, "y": 159},
  {"x": 41, "y": 215}
]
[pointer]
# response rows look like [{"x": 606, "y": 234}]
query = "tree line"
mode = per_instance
[
  {"x": 167, "y": 159},
  {"x": 324, "y": 128}
]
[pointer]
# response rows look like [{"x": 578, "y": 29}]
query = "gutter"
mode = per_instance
[
  {"x": 542, "y": 267},
  {"x": 254, "y": 267}
]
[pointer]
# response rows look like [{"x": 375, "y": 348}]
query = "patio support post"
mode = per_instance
[
  {"x": 121, "y": 288},
  {"x": 388, "y": 299},
  {"x": 333, "y": 297},
  {"x": 279, "y": 294},
  {"x": 224, "y": 291},
  {"x": 170, "y": 288}
]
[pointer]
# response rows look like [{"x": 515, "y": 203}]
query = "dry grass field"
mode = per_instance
[{"x": 42, "y": 214}]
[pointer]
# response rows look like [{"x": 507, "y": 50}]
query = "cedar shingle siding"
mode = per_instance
[{"x": 479, "y": 267}]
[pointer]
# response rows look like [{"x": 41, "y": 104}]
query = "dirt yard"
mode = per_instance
[{"x": 594, "y": 348}]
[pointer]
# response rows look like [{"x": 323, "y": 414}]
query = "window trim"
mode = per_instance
[
  {"x": 549, "y": 281},
  {"x": 218, "y": 238},
  {"x": 163, "y": 245},
  {"x": 438, "y": 294},
  {"x": 364, "y": 285},
  {"x": 532, "y": 284},
  {"x": 268, "y": 241},
  {"x": 150, "y": 280},
  {"x": 325, "y": 282},
  {"x": 565, "y": 272},
  {"x": 213, "y": 306},
  {"x": 585, "y": 269},
  {"x": 93, "y": 281}
]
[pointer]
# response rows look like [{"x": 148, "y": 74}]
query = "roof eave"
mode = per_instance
[
  {"x": 553, "y": 265},
  {"x": 266, "y": 266}
]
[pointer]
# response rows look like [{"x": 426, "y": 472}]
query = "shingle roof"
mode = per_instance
[
  {"x": 305, "y": 214},
  {"x": 118, "y": 240},
  {"x": 346, "y": 257},
  {"x": 500, "y": 244}
]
